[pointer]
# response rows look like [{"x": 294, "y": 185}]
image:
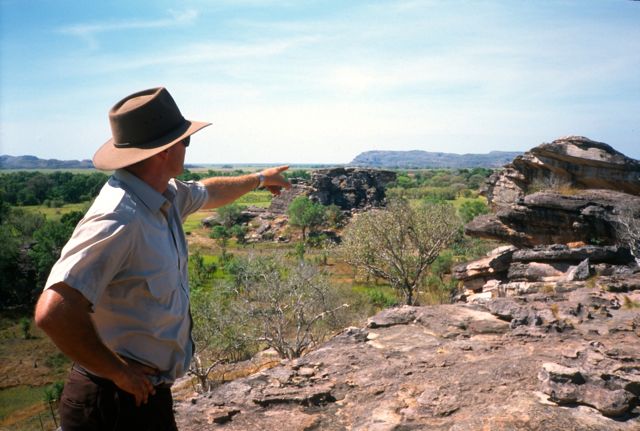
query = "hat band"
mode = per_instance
[{"x": 167, "y": 137}]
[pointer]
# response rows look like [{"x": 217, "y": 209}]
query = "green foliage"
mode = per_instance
[
  {"x": 25, "y": 327},
  {"x": 35, "y": 188},
  {"x": 334, "y": 216},
  {"x": 49, "y": 240},
  {"x": 221, "y": 234},
  {"x": 443, "y": 263},
  {"x": 305, "y": 214},
  {"x": 200, "y": 273},
  {"x": 56, "y": 361},
  {"x": 187, "y": 175},
  {"x": 381, "y": 298},
  {"x": 239, "y": 232},
  {"x": 219, "y": 329},
  {"x": 288, "y": 304},
  {"x": 229, "y": 215},
  {"x": 471, "y": 209},
  {"x": 53, "y": 392},
  {"x": 300, "y": 174},
  {"x": 399, "y": 243}
]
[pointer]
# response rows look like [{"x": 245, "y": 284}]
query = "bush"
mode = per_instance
[
  {"x": 399, "y": 243},
  {"x": 286, "y": 303},
  {"x": 471, "y": 209}
]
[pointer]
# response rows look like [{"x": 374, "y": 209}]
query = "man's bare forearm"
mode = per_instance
[
  {"x": 224, "y": 190},
  {"x": 64, "y": 314}
]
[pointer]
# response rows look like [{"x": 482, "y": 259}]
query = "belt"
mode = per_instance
[{"x": 106, "y": 382}]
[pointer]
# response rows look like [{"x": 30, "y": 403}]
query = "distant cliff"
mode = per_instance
[
  {"x": 32, "y": 162},
  {"x": 426, "y": 159}
]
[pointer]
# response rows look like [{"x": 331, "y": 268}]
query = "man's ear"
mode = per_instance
[{"x": 164, "y": 154}]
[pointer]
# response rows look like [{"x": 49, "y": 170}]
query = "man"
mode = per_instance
[{"x": 117, "y": 300}]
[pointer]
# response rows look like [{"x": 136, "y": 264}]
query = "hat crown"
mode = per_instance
[{"x": 142, "y": 119}]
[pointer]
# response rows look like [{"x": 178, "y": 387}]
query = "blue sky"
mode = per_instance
[{"x": 321, "y": 81}]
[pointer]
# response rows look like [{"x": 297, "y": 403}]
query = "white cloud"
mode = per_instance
[{"x": 89, "y": 31}]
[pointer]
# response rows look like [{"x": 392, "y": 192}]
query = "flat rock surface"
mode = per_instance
[{"x": 566, "y": 361}]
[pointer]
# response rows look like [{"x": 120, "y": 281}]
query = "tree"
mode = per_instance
[
  {"x": 305, "y": 214},
  {"x": 49, "y": 240},
  {"x": 222, "y": 235},
  {"x": 220, "y": 332},
  {"x": 398, "y": 243},
  {"x": 286, "y": 302},
  {"x": 229, "y": 215}
]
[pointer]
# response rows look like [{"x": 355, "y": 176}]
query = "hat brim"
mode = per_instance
[{"x": 109, "y": 157}]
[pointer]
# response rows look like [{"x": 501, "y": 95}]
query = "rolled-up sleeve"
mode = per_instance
[
  {"x": 97, "y": 250},
  {"x": 190, "y": 197}
]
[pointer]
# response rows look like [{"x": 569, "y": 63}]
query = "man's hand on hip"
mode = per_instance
[{"x": 134, "y": 379}]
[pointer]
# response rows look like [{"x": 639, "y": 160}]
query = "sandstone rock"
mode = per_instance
[
  {"x": 280, "y": 204},
  {"x": 580, "y": 272},
  {"x": 393, "y": 316},
  {"x": 551, "y": 218},
  {"x": 574, "y": 161},
  {"x": 539, "y": 271},
  {"x": 496, "y": 262},
  {"x": 348, "y": 188},
  {"x": 448, "y": 367},
  {"x": 561, "y": 252}
]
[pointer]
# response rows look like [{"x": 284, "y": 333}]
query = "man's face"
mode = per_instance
[{"x": 176, "y": 157}]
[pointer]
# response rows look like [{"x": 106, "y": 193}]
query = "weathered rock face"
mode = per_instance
[
  {"x": 279, "y": 204},
  {"x": 574, "y": 161},
  {"x": 548, "y": 217},
  {"x": 505, "y": 365},
  {"x": 348, "y": 188}
]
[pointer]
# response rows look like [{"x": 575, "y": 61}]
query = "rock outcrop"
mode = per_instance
[
  {"x": 505, "y": 365},
  {"x": 348, "y": 188},
  {"x": 570, "y": 162},
  {"x": 549, "y": 217},
  {"x": 559, "y": 236}
]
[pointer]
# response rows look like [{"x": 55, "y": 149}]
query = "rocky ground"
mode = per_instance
[{"x": 563, "y": 361}]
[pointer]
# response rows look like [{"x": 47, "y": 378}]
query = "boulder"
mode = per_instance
[
  {"x": 350, "y": 188},
  {"x": 561, "y": 252},
  {"x": 496, "y": 262},
  {"x": 566, "y": 163},
  {"x": 280, "y": 204},
  {"x": 588, "y": 216}
]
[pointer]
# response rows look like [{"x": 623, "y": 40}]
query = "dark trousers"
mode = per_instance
[{"x": 91, "y": 403}]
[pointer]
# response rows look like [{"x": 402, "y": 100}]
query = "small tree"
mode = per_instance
[
  {"x": 286, "y": 303},
  {"x": 220, "y": 332},
  {"x": 397, "y": 244},
  {"x": 305, "y": 214},
  {"x": 229, "y": 215},
  {"x": 222, "y": 235}
]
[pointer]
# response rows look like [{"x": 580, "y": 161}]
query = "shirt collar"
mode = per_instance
[{"x": 150, "y": 197}]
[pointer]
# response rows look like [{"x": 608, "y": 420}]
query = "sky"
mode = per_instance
[{"x": 306, "y": 82}]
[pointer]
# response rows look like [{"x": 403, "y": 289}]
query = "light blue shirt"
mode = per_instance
[{"x": 128, "y": 257}]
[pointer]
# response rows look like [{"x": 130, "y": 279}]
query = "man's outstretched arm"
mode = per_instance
[
  {"x": 224, "y": 190},
  {"x": 64, "y": 314}
]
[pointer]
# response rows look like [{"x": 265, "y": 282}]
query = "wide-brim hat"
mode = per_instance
[{"x": 142, "y": 125}]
